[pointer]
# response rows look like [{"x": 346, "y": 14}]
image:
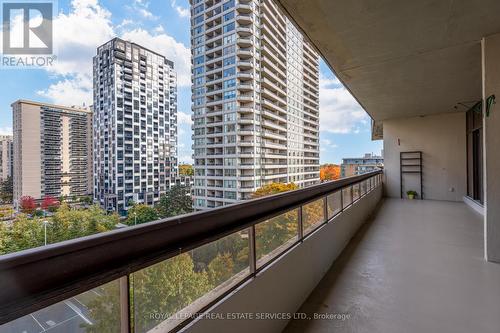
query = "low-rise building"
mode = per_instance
[{"x": 359, "y": 165}]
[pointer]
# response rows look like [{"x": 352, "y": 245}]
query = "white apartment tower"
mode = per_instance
[
  {"x": 255, "y": 101},
  {"x": 135, "y": 125}
]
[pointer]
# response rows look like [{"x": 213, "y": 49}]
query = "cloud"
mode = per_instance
[
  {"x": 185, "y": 158},
  {"x": 142, "y": 7},
  {"x": 77, "y": 36},
  {"x": 71, "y": 91},
  {"x": 181, "y": 11},
  {"x": 147, "y": 14},
  {"x": 184, "y": 118},
  {"x": 6, "y": 130},
  {"x": 340, "y": 113}
]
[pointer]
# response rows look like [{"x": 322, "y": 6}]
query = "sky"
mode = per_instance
[{"x": 163, "y": 26}]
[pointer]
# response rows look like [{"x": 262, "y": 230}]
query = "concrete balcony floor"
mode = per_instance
[{"x": 417, "y": 266}]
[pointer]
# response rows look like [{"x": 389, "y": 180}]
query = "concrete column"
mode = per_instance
[{"x": 490, "y": 47}]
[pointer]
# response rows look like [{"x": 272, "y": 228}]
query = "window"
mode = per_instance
[
  {"x": 229, "y": 39},
  {"x": 230, "y": 72},
  {"x": 199, "y": 60},
  {"x": 474, "y": 127},
  {"x": 228, "y": 117},
  {"x": 230, "y": 94},
  {"x": 228, "y": 5},
  {"x": 197, "y": 20},
  {"x": 229, "y": 61},
  {"x": 229, "y": 83},
  {"x": 198, "y": 9},
  {"x": 228, "y": 16},
  {"x": 228, "y": 27},
  {"x": 229, "y": 50},
  {"x": 198, "y": 70}
]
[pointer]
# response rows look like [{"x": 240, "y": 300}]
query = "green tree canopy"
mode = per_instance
[
  {"x": 25, "y": 233},
  {"x": 176, "y": 201},
  {"x": 140, "y": 213}
]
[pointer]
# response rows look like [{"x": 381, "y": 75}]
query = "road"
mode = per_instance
[{"x": 69, "y": 316}]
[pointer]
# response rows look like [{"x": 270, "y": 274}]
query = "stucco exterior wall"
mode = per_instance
[{"x": 442, "y": 140}]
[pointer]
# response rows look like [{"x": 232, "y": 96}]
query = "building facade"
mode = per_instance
[
  {"x": 255, "y": 101},
  {"x": 135, "y": 125},
  {"x": 6, "y": 156},
  {"x": 52, "y": 150},
  {"x": 359, "y": 165}
]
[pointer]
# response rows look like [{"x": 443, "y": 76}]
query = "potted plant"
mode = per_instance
[{"x": 411, "y": 194}]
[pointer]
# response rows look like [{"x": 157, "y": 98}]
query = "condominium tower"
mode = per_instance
[
  {"x": 52, "y": 150},
  {"x": 135, "y": 125},
  {"x": 255, "y": 101},
  {"x": 6, "y": 156}
]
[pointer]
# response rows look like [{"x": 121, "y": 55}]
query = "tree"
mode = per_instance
[
  {"x": 6, "y": 190},
  {"x": 86, "y": 200},
  {"x": 49, "y": 203},
  {"x": 166, "y": 288},
  {"x": 27, "y": 204},
  {"x": 220, "y": 269},
  {"x": 23, "y": 233},
  {"x": 175, "y": 202},
  {"x": 329, "y": 172},
  {"x": 186, "y": 170},
  {"x": 274, "y": 188},
  {"x": 272, "y": 233},
  {"x": 104, "y": 307},
  {"x": 140, "y": 213}
]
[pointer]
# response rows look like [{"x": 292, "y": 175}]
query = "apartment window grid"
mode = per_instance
[
  {"x": 135, "y": 125},
  {"x": 247, "y": 101}
]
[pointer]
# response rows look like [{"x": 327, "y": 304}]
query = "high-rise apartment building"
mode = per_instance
[
  {"x": 135, "y": 125},
  {"x": 52, "y": 150},
  {"x": 6, "y": 156},
  {"x": 255, "y": 101}
]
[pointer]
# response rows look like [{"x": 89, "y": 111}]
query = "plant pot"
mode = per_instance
[{"x": 411, "y": 196}]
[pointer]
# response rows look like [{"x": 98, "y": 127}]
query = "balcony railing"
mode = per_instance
[{"x": 160, "y": 273}]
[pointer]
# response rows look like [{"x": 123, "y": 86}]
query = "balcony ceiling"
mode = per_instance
[{"x": 401, "y": 58}]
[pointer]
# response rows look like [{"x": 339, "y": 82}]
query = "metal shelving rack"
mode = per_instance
[{"x": 411, "y": 163}]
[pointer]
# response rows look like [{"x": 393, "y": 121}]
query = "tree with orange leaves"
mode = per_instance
[{"x": 329, "y": 172}]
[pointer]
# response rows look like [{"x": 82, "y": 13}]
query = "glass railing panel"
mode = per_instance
[
  {"x": 176, "y": 289},
  {"x": 363, "y": 187},
  {"x": 346, "y": 196},
  {"x": 96, "y": 310},
  {"x": 275, "y": 235},
  {"x": 356, "y": 191},
  {"x": 334, "y": 204},
  {"x": 313, "y": 214}
]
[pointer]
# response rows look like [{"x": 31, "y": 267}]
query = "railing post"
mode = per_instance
[
  {"x": 252, "y": 250},
  {"x": 325, "y": 207},
  {"x": 342, "y": 199},
  {"x": 125, "y": 304},
  {"x": 300, "y": 226},
  {"x": 352, "y": 193}
]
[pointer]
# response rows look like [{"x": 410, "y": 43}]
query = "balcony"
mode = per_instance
[
  {"x": 415, "y": 267},
  {"x": 106, "y": 280}
]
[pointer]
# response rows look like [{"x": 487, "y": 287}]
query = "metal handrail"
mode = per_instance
[{"x": 36, "y": 278}]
